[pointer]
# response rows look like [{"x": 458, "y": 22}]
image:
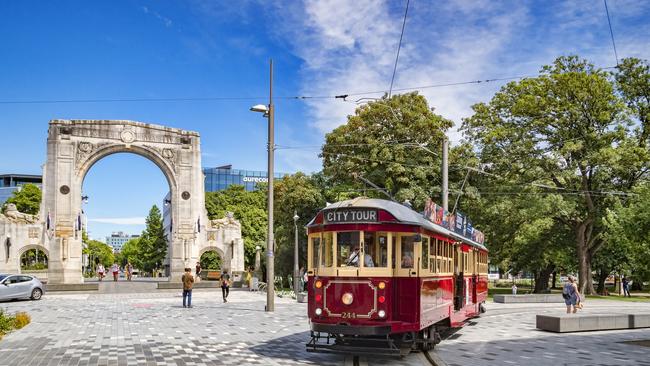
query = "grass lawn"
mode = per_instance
[
  {"x": 638, "y": 297},
  {"x": 635, "y": 298}
]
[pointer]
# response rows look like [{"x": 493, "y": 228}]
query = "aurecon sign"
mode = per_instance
[
  {"x": 344, "y": 216},
  {"x": 256, "y": 179}
]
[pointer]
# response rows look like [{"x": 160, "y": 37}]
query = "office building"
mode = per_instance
[
  {"x": 118, "y": 239},
  {"x": 9, "y": 183},
  {"x": 220, "y": 178}
]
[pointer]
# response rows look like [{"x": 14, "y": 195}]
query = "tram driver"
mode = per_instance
[{"x": 353, "y": 260}]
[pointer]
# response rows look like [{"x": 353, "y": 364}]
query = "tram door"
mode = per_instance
[{"x": 459, "y": 275}]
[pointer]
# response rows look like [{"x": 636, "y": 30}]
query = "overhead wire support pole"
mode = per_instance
[
  {"x": 445, "y": 174},
  {"x": 270, "y": 270}
]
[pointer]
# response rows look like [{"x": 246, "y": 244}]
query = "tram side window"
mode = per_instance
[
  {"x": 327, "y": 250},
  {"x": 315, "y": 252},
  {"x": 348, "y": 246},
  {"x": 375, "y": 249},
  {"x": 425, "y": 253},
  {"x": 407, "y": 251},
  {"x": 432, "y": 255}
]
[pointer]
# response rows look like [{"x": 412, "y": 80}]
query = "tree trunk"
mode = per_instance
[
  {"x": 586, "y": 283},
  {"x": 541, "y": 279}
]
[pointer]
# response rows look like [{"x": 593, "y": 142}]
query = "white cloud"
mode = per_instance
[{"x": 120, "y": 220}]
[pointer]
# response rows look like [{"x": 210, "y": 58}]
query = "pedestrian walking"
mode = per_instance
[
  {"x": 514, "y": 288},
  {"x": 116, "y": 271},
  {"x": 301, "y": 278},
  {"x": 571, "y": 295},
  {"x": 197, "y": 270},
  {"x": 249, "y": 278},
  {"x": 626, "y": 287},
  {"x": 100, "y": 271},
  {"x": 188, "y": 283},
  {"x": 129, "y": 271},
  {"x": 225, "y": 285}
]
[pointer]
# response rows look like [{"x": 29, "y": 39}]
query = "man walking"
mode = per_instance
[
  {"x": 225, "y": 285},
  {"x": 626, "y": 287},
  {"x": 188, "y": 283}
]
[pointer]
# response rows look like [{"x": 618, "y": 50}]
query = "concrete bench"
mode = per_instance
[
  {"x": 72, "y": 287},
  {"x": 591, "y": 322},
  {"x": 530, "y": 298}
]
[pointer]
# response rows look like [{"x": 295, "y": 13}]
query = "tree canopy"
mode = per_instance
[
  {"x": 389, "y": 142},
  {"x": 566, "y": 133},
  {"x": 152, "y": 244},
  {"x": 27, "y": 199}
]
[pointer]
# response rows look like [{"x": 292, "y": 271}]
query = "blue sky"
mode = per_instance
[{"x": 63, "y": 50}]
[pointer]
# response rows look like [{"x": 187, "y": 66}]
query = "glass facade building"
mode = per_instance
[
  {"x": 220, "y": 178},
  {"x": 9, "y": 183}
]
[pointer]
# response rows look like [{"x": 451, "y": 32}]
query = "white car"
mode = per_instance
[{"x": 14, "y": 286}]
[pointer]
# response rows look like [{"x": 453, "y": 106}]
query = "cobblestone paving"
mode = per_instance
[
  {"x": 506, "y": 335},
  {"x": 152, "y": 328}
]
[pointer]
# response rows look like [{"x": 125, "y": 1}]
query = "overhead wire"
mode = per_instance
[
  {"x": 611, "y": 32},
  {"x": 399, "y": 47}
]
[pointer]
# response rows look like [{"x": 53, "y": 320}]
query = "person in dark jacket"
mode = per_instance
[{"x": 225, "y": 285}]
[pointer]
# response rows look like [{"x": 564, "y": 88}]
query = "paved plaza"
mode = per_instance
[{"x": 150, "y": 327}]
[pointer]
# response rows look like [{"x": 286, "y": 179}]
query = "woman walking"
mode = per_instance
[
  {"x": 100, "y": 271},
  {"x": 571, "y": 295},
  {"x": 225, "y": 285}
]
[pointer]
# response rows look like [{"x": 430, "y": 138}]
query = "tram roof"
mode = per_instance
[{"x": 402, "y": 213}]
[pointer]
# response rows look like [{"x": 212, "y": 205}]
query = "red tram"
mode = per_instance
[{"x": 384, "y": 280}]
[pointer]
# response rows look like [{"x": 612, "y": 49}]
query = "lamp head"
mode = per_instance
[
  {"x": 295, "y": 216},
  {"x": 260, "y": 108}
]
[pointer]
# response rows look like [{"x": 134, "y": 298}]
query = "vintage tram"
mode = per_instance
[{"x": 383, "y": 279}]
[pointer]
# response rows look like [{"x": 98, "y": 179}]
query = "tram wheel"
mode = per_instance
[{"x": 427, "y": 338}]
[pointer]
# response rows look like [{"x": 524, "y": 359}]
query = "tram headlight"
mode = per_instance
[
  {"x": 318, "y": 311},
  {"x": 382, "y": 314},
  {"x": 347, "y": 298}
]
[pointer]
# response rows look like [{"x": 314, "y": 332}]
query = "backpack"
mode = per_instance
[{"x": 565, "y": 294}]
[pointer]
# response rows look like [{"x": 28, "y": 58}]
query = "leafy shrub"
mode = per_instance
[
  {"x": 6, "y": 322},
  {"x": 21, "y": 320}
]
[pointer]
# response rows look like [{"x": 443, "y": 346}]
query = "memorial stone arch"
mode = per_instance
[{"x": 73, "y": 146}]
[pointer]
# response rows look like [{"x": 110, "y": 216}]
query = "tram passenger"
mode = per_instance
[{"x": 407, "y": 260}]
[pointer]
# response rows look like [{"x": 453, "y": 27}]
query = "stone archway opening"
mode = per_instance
[
  {"x": 122, "y": 190},
  {"x": 211, "y": 261},
  {"x": 33, "y": 258}
]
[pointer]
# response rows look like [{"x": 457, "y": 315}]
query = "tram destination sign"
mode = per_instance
[{"x": 347, "y": 216}]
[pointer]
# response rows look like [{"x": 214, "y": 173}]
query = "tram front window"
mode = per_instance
[
  {"x": 375, "y": 253},
  {"x": 348, "y": 249}
]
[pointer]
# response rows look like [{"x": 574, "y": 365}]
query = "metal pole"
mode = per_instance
[
  {"x": 445, "y": 174},
  {"x": 296, "y": 270},
  {"x": 270, "y": 275}
]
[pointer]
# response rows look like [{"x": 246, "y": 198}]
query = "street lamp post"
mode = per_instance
[
  {"x": 270, "y": 275},
  {"x": 296, "y": 271}
]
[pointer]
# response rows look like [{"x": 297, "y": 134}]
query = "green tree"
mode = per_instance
[
  {"x": 566, "y": 132},
  {"x": 386, "y": 142},
  {"x": 99, "y": 253},
  {"x": 249, "y": 209},
  {"x": 294, "y": 194},
  {"x": 152, "y": 245},
  {"x": 210, "y": 260},
  {"x": 131, "y": 253},
  {"x": 628, "y": 234},
  {"x": 633, "y": 81},
  {"x": 27, "y": 199}
]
